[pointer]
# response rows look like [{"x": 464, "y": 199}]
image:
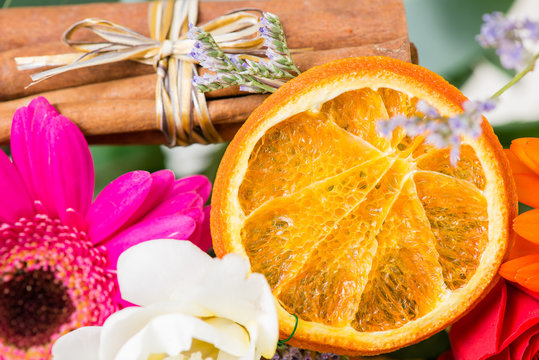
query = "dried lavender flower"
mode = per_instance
[
  {"x": 251, "y": 74},
  {"x": 512, "y": 39},
  {"x": 275, "y": 41},
  {"x": 229, "y": 68},
  {"x": 441, "y": 131}
]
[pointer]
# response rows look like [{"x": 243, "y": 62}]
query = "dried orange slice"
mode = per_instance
[{"x": 373, "y": 243}]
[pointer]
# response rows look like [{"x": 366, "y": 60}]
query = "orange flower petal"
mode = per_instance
[
  {"x": 517, "y": 166},
  {"x": 527, "y": 225},
  {"x": 527, "y": 150},
  {"x": 527, "y": 189},
  {"x": 532, "y": 283},
  {"x": 526, "y": 272},
  {"x": 509, "y": 269},
  {"x": 522, "y": 247}
]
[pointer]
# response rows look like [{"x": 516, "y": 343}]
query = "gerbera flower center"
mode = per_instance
[
  {"x": 33, "y": 306},
  {"x": 53, "y": 279}
]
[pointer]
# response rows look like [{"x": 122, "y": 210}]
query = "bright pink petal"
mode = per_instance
[
  {"x": 14, "y": 199},
  {"x": 522, "y": 312},
  {"x": 167, "y": 227},
  {"x": 161, "y": 187},
  {"x": 28, "y": 145},
  {"x": 177, "y": 204},
  {"x": 197, "y": 183},
  {"x": 188, "y": 204},
  {"x": 116, "y": 203},
  {"x": 476, "y": 336},
  {"x": 53, "y": 158},
  {"x": 71, "y": 169}
]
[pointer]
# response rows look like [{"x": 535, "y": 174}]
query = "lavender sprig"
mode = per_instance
[
  {"x": 287, "y": 352},
  {"x": 275, "y": 41},
  {"x": 516, "y": 43},
  {"x": 251, "y": 75},
  {"x": 512, "y": 39},
  {"x": 441, "y": 131},
  {"x": 228, "y": 68}
]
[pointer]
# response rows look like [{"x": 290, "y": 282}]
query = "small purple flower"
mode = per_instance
[
  {"x": 385, "y": 128},
  {"x": 236, "y": 61},
  {"x": 426, "y": 109},
  {"x": 495, "y": 29},
  {"x": 512, "y": 55},
  {"x": 532, "y": 29},
  {"x": 510, "y": 38},
  {"x": 441, "y": 131}
]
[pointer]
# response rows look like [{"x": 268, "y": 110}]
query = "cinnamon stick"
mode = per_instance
[
  {"x": 102, "y": 118},
  {"x": 14, "y": 81},
  {"x": 127, "y": 105},
  {"x": 321, "y": 25}
]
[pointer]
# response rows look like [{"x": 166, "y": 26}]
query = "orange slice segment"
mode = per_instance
[
  {"x": 406, "y": 281},
  {"x": 373, "y": 243}
]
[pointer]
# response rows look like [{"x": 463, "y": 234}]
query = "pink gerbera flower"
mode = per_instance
[{"x": 58, "y": 250}]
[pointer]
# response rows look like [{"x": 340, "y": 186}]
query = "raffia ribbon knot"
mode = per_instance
[{"x": 182, "y": 112}]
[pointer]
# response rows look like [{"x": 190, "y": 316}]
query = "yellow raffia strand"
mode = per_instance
[{"x": 179, "y": 105}]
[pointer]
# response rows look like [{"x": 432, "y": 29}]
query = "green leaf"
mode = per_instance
[
  {"x": 113, "y": 161},
  {"x": 509, "y": 132},
  {"x": 427, "y": 349}
]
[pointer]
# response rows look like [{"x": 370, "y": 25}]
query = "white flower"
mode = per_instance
[{"x": 191, "y": 307}]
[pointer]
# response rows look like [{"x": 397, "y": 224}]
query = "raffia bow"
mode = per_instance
[{"x": 179, "y": 106}]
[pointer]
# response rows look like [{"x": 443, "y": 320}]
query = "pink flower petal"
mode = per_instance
[
  {"x": 197, "y": 183},
  {"x": 177, "y": 204},
  {"x": 522, "y": 312},
  {"x": 161, "y": 185},
  {"x": 477, "y": 335},
  {"x": 14, "y": 199},
  {"x": 116, "y": 203},
  {"x": 70, "y": 167},
  {"x": 53, "y": 158},
  {"x": 167, "y": 227},
  {"x": 28, "y": 143}
]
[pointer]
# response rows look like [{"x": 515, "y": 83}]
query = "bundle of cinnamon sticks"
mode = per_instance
[{"x": 115, "y": 103}]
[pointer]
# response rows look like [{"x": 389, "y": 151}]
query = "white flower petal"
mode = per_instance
[
  {"x": 118, "y": 328},
  {"x": 150, "y": 271},
  {"x": 172, "y": 334},
  {"x": 226, "y": 356},
  {"x": 80, "y": 344},
  {"x": 233, "y": 338},
  {"x": 229, "y": 292},
  {"x": 124, "y": 324}
]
